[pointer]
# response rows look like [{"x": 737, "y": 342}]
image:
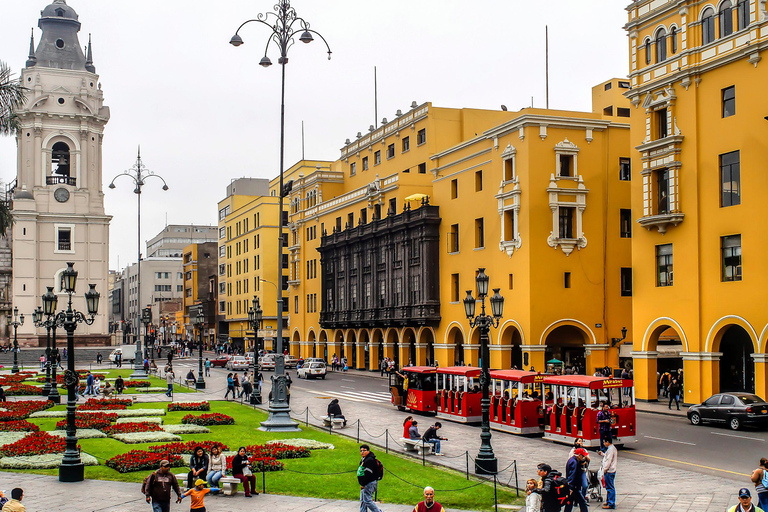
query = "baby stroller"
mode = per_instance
[{"x": 594, "y": 487}]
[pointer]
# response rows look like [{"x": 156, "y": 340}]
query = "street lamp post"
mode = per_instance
[
  {"x": 15, "y": 323},
  {"x": 254, "y": 317},
  {"x": 37, "y": 319},
  {"x": 283, "y": 25},
  {"x": 486, "y": 462},
  {"x": 53, "y": 360},
  {"x": 71, "y": 468},
  {"x": 199, "y": 321},
  {"x": 146, "y": 319},
  {"x": 138, "y": 174}
]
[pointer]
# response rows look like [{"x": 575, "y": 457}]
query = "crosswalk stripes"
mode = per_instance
[{"x": 361, "y": 396}]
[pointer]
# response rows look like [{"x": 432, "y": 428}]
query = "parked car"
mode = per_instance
[
  {"x": 732, "y": 409},
  {"x": 267, "y": 362},
  {"x": 237, "y": 363},
  {"x": 220, "y": 361},
  {"x": 291, "y": 361},
  {"x": 312, "y": 371}
]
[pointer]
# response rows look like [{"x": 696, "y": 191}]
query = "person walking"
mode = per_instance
[
  {"x": 429, "y": 504},
  {"x": 207, "y": 367},
  {"x": 745, "y": 503},
  {"x": 158, "y": 488},
  {"x": 579, "y": 443},
  {"x": 674, "y": 393},
  {"x": 574, "y": 473},
  {"x": 169, "y": 376},
  {"x": 368, "y": 478},
  {"x": 383, "y": 366},
  {"x": 14, "y": 504},
  {"x": 217, "y": 466},
  {"x": 431, "y": 437},
  {"x": 610, "y": 460},
  {"x": 604, "y": 420},
  {"x": 230, "y": 387},
  {"x": 89, "y": 384},
  {"x": 197, "y": 495},
  {"x": 236, "y": 383},
  {"x": 99, "y": 358},
  {"x": 241, "y": 468},
  {"x": 760, "y": 479},
  {"x": 549, "y": 501}
]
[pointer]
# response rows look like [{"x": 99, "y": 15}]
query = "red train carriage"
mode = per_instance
[
  {"x": 458, "y": 394},
  {"x": 517, "y": 401},
  {"x": 576, "y": 402},
  {"x": 413, "y": 388}
]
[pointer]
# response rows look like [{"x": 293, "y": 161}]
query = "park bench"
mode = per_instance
[
  {"x": 227, "y": 484},
  {"x": 418, "y": 446},
  {"x": 337, "y": 422}
]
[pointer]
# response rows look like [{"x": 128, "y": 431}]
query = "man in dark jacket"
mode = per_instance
[
  {"x": 159, "y": 488},
  {"x": 334, "y": 410},
  {"x": 368, "y": 478},
  {"x": 431, "y": 436},
  {"x": 574, "y": 473},
  {"x": 549, "y": 502}
]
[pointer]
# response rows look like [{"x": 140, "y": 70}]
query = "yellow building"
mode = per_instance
[
  {"x": 199, "y": 266},
  {"x": 699, "y": 104}
]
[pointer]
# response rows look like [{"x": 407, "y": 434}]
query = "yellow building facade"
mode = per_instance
[{"x": 698, "y": 108}]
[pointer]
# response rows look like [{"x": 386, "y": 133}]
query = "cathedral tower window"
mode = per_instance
[{"x": 60, "y": 157}]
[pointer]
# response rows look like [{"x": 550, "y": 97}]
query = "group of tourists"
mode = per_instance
[
  {"x": 242, "y": 387},
  {"x": 411, "y": 431}
]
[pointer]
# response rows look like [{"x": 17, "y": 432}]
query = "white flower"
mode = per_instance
[
  {"x": 146, "y": 437},
  {"x": 127, "y": 413},
  {"x": 140, "y": 419},
  {"x": 48, "y": 461},
  {"x": 186, "y": 429},
  {"x": 82, "y": 433},
  {"x": 304, "y": 443},
  {"x": 12, "y": 437},
  {"x": 151, "y": 390}
]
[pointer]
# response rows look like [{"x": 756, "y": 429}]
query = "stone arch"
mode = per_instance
[
  {"x": 392, "y": 337},
  {"x": 363, "y": 350},
  {"x": 351, "y": 342},
  {"x": 565, "y": 322},
  {"x": 566, "y": 342},
  {"x": 408, "y": 344},
  {"x": 655, "y": 328},
  {"x": 338, "y": 343},
  {"x": 764, "y": 340},
  {"x": 74, "y": 151},
  {"x": 426, "y": 337},
  {"x": 735, "y": 370},
  {"x": 323, "y": 342},
  {"x": 715, "y": 334},
  {"x": 454, "y": 339},
  {"x": 511, "y": 340},
  {"x": 311, "y": 340}
]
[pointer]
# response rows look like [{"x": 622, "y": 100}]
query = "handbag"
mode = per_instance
[{"x": 247, "y": 471}]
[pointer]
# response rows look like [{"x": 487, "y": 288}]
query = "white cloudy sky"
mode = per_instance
[{"x": 204, "y": 112}]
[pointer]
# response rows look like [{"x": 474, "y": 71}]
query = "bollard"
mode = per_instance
[
  {"x": 306, "y": 421},
  {"x": 517, "y": 484},
  {"x": 386, "y": 441},
  {"x": 263, "y": 482},
  {"x": 495, "y": 495},
  {"x": 466, "y": 453},
  {"x": 358, "y": 431},
  {"x": 423, "y": 454}
]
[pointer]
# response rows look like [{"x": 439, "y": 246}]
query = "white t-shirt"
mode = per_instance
[{"x": 533, "y": 502}]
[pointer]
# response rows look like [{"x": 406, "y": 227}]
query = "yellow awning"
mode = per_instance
[{"x": 416, "y": 197}]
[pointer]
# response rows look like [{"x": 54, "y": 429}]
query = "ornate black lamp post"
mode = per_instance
[
  {"x": 15, "y": 323},
  {"x": 72, "y": 468},
  {"x": 284, "y": 25},
  {"x": 199, "y": 321},
  {"x": 254, "y": 317},
  {"x": 146, "y": 319},
  {"x": 486, "y": 462},
  {"x": 138, "y": 174},
  {"x": 37, "y": 319},
  {"x": 49, "y": 310}
]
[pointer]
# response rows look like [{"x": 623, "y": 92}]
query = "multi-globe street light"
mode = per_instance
[
  {"x": 72, "y": 468},
  {"x": 50, "y": 389},
  {"x": 138, "y": 174},
  {"x": 254, "y": 318},
  {"x": 486, "y": 462},
  {"x": 199, "y": 320},
  {"x": 284, "y": 24},
  {"x": 15, "y": 323}
]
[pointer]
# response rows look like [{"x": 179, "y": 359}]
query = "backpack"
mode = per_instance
[
  {"x": 765, "y": 479},
  {"x": 379, "y": 470},
  {"x": 561, "y": 489},
  {"x": 146, "y": 486}
]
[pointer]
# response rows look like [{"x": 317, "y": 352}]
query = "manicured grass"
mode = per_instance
[{"x": 451, "y": 485}]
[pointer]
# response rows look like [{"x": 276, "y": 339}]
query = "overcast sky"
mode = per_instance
[{"x": 204, "y": 112}]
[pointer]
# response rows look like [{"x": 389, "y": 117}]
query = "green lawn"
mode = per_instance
[{"x": 344, "y": 458}]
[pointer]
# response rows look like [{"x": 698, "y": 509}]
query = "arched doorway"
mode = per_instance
[
  {"x": 378, "y": 342},
  {"x": 313, "y": 347},
  {"x": 566, "y": 344},
  {"x": 737, "y": 371},
  {"x": 427, "y": 340},
  {"x": 456, "y": 340},
  {"x": 352, "y": 343},
  {"x": 392, "y": 348},
  {"x": 669, "y": 347},
  {"x": 338, "y": 344},
  {"x": 409, "y": 341},
  {"x": 364, "y": 349},
  {"x": 324, "y": 344},
  {"x": 512, "y": 354},
  {"x": 295, "y": 344}
]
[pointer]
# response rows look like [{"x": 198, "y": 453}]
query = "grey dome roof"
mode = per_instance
[
  {"x": 59, "y": 9},
  {"x": 23, "y": 194}
]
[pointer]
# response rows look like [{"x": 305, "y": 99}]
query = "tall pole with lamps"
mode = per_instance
[
  {"x": 71, "y": 468},
  {"x": 49, "y": 311},
  {"x": 486, "y": 462},
  {"x": 15, "y": 323},
  {"x": 138, "y": 174},
  {"x": 37, "y": 319},
  {"x": 254, "y": 317},
  {"x": 199, "y": 320},
  {"x": 146, "y": 319},
  {"x": 284, "y": 25}
]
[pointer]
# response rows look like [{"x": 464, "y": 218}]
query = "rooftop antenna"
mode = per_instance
[
  {"x": 375, "y": 96},
  {"x": 546, "y": 37},
  {"x": 302, "y": 139}
]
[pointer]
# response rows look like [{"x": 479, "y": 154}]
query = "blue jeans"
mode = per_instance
[
  {"x": 366, "y": 497},
  {"x": 161, "y": 506},
  {"x": 584, "y": 483},
  {"x": 435, "y": 442},
  {"x": 170, "y": 390},
  {"x": 577, "y": 499},
  {"x": 610, "y": 489},
  {"x": 214, "y": 477}
]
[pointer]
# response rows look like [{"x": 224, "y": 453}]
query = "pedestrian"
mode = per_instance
[
  {"x": 119, "y": 360},
  {"x": 574, "y": 473},
  {"x": 247, "y": 384},
  {"x": 241, "y": 468},
  {"x": 89, "y": 384},
  {"x": 745, "y": 503},
  {"x": 674, "y": 393},
  {"x": 532, "y": 499},
  {"x": 119, "y": 385},
  {"x": 99, "y": 358},
  {"x": 259, "y": 380},
  {"x": 158, "y": 488},
  {"x": 207, "y": 367},
  {"x": 197, "y": 495},
  {"x": 604, "y": 419},
  {"x": 42, "y": 362},
  {"x": 413, "y": 432},
  {"x": 368, "y": 478},
  {"x": 14, "y": 504},
  {"x": 146, "y": 366},
  {"x": 429, "y": 504},
  {"x": 407, "y": 426},
  {"x": 334, "y": 411},
  {"x": 230, "y": 387},
  {"x": 217, "y": 466},
  {"x": 198, "y": 466},
  {"x": 608, "y": 466},
  {"x": 431, "y": 437},
  {"x": 579, "y": 443},
  {"x": 236, "y": 383},
  {"x": 169, "y": 376},
  {"x": 2, "y": 395},
  {"x": 548, "y": 492},
  {"x": 383, "y": 366},
  {"x": 760, "y": 479}
]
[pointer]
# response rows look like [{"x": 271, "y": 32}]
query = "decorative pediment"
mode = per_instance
[
  {"x": 661, "y": 98},
  {"x": 566, "y": 146},
  {"x": 84, "y": 105},
  {"x": 509, "y": 152}
]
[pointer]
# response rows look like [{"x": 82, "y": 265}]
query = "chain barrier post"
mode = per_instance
[
  {"x": 358, "y": 431},
  {"x": 466, "y": 453},
  {"x": 495, "y": 495},
  {"x": 517, "y": 484},
  {"x": 386, "y": 441},
  {"x": 307, "y": 419},
  {"x": 423, "y": 454}
]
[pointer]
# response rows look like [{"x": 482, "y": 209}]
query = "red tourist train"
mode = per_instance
[
  {"x": 413, "y": 387},
  {"x": 517, "y": 401},
  {"x": 458, "y": 394}
]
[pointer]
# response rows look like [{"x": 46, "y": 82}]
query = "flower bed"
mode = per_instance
[
  {"x": 82, "y": 433},
  {"x": 260, "y": 465},
  {"x": 48, "y": 461},
  {"x": 8, "y": 380},
  {"x": 38, "y": 443},
  {"x": 22, "y": 409},
  {"x": 151, "y": 390},
  {"x": 305, "y": 443},
  {"x": 146, "y": 437},
  {"x": 86, "y": 421},
  {"x": 179, "y": 448},
  {"x": 277, "y": 451},
  {"x": 189, "y": 406},
  {"x": 11, "y": 437},
  {"x": 142, "y": 419},
  {"x": 23, "y": 390},
  {"x": 214, "y": 418},
  {"x": 18, "y": 426},
  {"x": 127, "y": 413},
  {"x": 137, "y": 460},
  {"x": 137, "y": 383},
  {"x": 105, "y": 404},
  {"x": 83, "y": 374},
  {"x": 186, "y": 429},
  {"x": 130, "y": 428}
]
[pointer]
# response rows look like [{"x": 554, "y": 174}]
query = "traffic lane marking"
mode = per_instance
[
  {"x": 691, "y": 464},
  {"x": 670, "y": 440},
  {"x": 347, "y": 387},
  {"x": 736, "y": 435}
]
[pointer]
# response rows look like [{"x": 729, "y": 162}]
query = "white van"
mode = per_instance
[{"x": 128, "y": 353}]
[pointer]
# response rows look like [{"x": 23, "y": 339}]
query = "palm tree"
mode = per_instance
[{"x": 11, "y": 99}]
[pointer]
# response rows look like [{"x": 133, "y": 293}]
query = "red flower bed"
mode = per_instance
[
  {"x": 278, "y": 451},
  {"x": 18, "y": 426},
  {"x": 137, "y": 383},
  {"x": 23, "y": 389},
  {"x": 95, "y": 421},
  {"x": 214, "y": 418},
  {"x": 137, "y": 460},
  {"x": 130, "y": 428},
  {"x": 23, "y": 408},
  {"x": 178, "y": 448},
  {"x": 84, "y": 374},
  {"x": 260, "y": 464},
  {"x": 112, "y": 404},
  {"x": 38, "y": 443},
  {"x": 189, "y": 406}
]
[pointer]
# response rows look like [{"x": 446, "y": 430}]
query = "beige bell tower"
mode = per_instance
[{"x": 58, "y": 203}]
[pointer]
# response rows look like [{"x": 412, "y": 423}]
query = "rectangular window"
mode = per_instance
[
  {"x": 179, "y": 287},
  {"x": 625, "y": 169},
  {"x": 393, "y": 206},
  {"x": 390, "y": 151},
  {"x": 64, "y": 239},
  {"x": 479, "y": 233},
  {"x": 222, "y": 232},
  {"x": 730, "y": 179},
  {"x": 509, "y": 225},
  {"x": 509, "y": 169},
  {"x": 285, "y": 261},
  {"x": 511, "y": 281},
  {"x": 624, "y": 85},
  {"x": 222, "y": 269},
  {"x": 626, "y": 282},
  {"x": 407, "y": 171},
  {"x": 189, "y": 292},
  {"x": 565, "y": 218},
  {"x": 406, "y": 144},
  {"x": 296, "y": 304},
  {"x": 364, "y": 215},
  {"x": 338, "y": 223},
  {"x": 352, "y": 168},
  {"x": 662, "y": 192},
  {"x": 566, "y": 279},
  {"x": 377, "y": 158},
  {"x": 664, "y": 265},
  {"x": 222, "y": 251},
  {"x": 566, "y": 165},
  {"x": 661, "y": 124},
  {"x": 730, "y": 247},
  {"x": 455, "y": 290},
  {"x": 623, "y": 112},
  {"x": 423, "y": 168},
  {"x": 421, "y": 136},
  {"x": 351, "y": 220},
  {"x": 453, "y": 238},
  {"x": 365, "y": 163},
  {"x": 625, "y": 222},
  {"x": 729, "y": 101},
  {"x": 608, "y": 111},
  {"x": 478, "y": 181},
  {"x": 454, "y": 188}
]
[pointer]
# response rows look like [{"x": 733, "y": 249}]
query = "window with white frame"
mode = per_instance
[
  {"x": 567, "y": 205},
  {"x": 508, "y": 159},
  {"x": 566, "y": 159},
  {"x": 65, "y": 238}
]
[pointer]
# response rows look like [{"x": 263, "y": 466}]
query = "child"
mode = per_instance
[
  {"x": 197, "y": 495},
  {"x": 533, "y": 500}
]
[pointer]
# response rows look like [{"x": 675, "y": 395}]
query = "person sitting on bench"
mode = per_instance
[
  {"x": 430, "y": 436},
  {"x": 334, "y": 411},
  {"x": 191, "y": 377},
  {"x": 413, "y": 432}
]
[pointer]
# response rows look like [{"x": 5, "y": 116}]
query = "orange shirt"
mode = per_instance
[{"x": 196, "y": 497}]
